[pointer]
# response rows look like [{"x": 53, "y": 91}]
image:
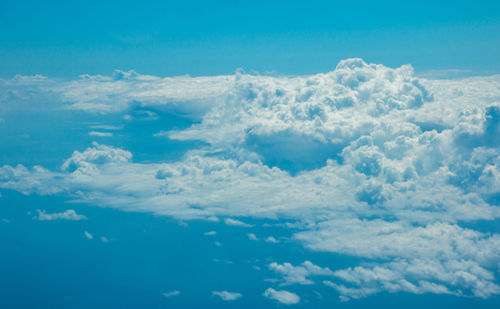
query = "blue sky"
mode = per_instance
[
  {"x": 64, "y": 39},
  {"x": 231, "y": 154}
]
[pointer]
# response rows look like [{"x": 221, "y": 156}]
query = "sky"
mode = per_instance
[
  {"x": 165, "y": 38},
  {"x": 253, "y": 155}
]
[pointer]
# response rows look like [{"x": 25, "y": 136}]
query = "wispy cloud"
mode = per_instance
[
  {"x": 236, "y": 222},
  {"x": 100, "y": 134},
  {"x": 88, "y": 235},
  {"x": 227, "y": 296},
  {"x": 69, "y": 214},
  {"x": 171, "y": 293}
]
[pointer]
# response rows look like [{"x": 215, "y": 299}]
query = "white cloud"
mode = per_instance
[
  {"x": 106, "y": 127},
  {"x": 100, "y": 134},
  {"x": 210, "y": 233},
  {"x": 252, "y": 236},
  {"x": 227, "y": 296},
  {"x": 299, "y": 274},
  {"x": 365, "y": 161},
  {"x": 68, "y": 214},
  {"x": 88, "y": 235},
  {"x": 417, "y": 276},
  {"x": 271, "y": 239},
  {"x": 236, "y": 222},
  {"x": 104, "y": 239},
  {"x": 171, "y": 293},
  {"x": 284, "y": 297}
]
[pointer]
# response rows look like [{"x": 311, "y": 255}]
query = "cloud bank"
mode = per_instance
[{"x": 372, "y": 161}]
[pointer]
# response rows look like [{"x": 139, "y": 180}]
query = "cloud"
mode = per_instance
[
  {"x": 117, "y": 94},
  {"x": 100, "y": 134},
  {"x": 252, "y": 236},
  {"x": 227, "y": 296},
  {"x": 210, "y": 233},
  {"x": 171, "y": 293},
  {"x": 364, "y": 161},
  {"x": 284, "y": 297},
  {"x": 69, "y": 214},
  {"x": 418, "y": 276},
  {"x": 106, "y": 127},
  {"x": 299, "y": 274},
  {"x": 271, "y": 239},
  {"x": 236, "y": 222},
  {"x": 88, "y": 235}
]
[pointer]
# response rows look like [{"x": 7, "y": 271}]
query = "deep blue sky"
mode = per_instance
[{"x": 65, "y": 39}]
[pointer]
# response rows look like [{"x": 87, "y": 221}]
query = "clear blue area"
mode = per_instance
[{"x": 61, "y": 38}]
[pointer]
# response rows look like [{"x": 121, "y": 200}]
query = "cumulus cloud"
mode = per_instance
[
  {"x": 210, "y": 233},
  {"x": 284, "y": 297},
  {"x": 364, "y": 161},
  {"x": 299, "y": 274},
  {"x": 227, "y": 296},
  {"x": 457, "y": 277},
  {"x": 69, "y": 214}
]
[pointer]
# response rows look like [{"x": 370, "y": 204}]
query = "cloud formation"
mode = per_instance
[
  {"x": 282, "y": 296},
  {"x": 369, "y": 161},
  {"x": 299, "y": 274},
  {"x": 69, "y": 214},
  {"x": 227, "y": 296}
]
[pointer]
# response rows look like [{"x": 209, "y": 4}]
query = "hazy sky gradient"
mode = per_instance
[{"x": 65, "y": 39}]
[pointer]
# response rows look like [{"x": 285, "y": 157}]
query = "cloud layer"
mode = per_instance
[{"x": 373, "y": 162}]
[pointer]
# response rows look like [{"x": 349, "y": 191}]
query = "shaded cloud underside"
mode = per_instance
[{"x": 374, "y": 163}]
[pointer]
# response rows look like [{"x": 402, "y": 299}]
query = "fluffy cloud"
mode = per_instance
[
  {"x": 227, "y": 296},
  {"x": 458, "y": 277},
  {"x": 367, "y": 160},
  {"x": 69, "y": 214},
  {"x": 282, "y": 296},
  {"x": 298, "y": 274}
]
